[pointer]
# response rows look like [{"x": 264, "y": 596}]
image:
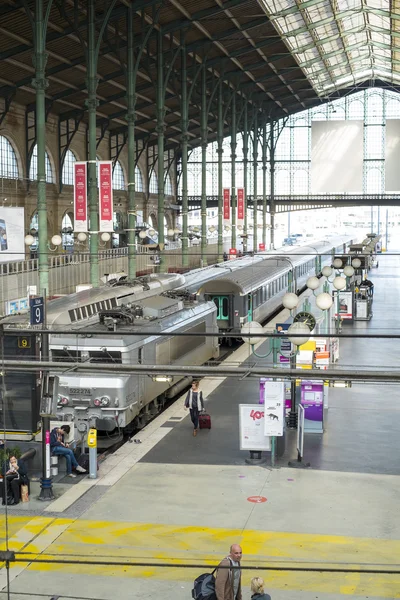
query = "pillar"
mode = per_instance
[
  {"x": 130, "y": 117},
  {"x": 245, "y": 171},
  {"x": 255, "y": 190},
  {"x": 40, "y": 83},
  {"x": 184, "y": 146},
  {"x": 220, "y": 141},
  {"x": 233, "y": 170},
  {"x": 91, "y": 103},
  {"x": 203, "y": 134},
  {"x": 160, "y": 143},
  {"x": 272, "y": 194},
  {"x": 264, "y": 192}
]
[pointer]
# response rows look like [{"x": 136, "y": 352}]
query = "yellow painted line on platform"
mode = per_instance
[
  {"x": 14, "y": 525},
  {"x": 122, "y": 541}
]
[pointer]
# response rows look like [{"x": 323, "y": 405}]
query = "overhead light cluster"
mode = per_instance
[{"x": 339, "y": 43}]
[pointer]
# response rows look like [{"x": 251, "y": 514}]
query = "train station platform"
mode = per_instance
[{"x": 178, "y": 500}]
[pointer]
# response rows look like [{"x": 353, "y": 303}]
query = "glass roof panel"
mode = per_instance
[{"x": 340, "y": 42}]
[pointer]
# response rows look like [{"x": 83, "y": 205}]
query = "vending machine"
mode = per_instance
[{"x": 312, "y": 399}]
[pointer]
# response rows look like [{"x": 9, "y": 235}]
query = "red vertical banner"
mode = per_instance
[
  {"x": 227, "y": 205},
  {"x": 240, "y": 206},
  {"x": 105, "y": 196},
  {"x": 80, "y": 197}
]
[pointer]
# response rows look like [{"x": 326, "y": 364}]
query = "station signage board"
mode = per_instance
[
  {"x": 106, "y": 196},
  {"x": 227, "y": 205},
  {"x": 80, "y": 197},
  {"x": 251, "y": 428}
]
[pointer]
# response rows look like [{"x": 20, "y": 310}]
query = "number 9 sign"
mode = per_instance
[{"x": 37, "y": 311}]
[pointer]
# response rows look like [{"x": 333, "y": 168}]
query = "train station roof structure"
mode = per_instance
[{"x": 281, "y": 55}]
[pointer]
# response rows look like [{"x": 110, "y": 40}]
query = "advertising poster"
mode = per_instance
[
  {"x": 105, "y": 196},
  {"x": 80, "y": 197},
  {"x": 345, "y": 304},
  {"x": 274, "y": 407},
  {"x": 286, "y": 345},
  {"x": 240, "y": 206},
  {"x": 12, "y": 234},
  {"x": 227, "y": 205},
  {"x": 251, "y": 427}
]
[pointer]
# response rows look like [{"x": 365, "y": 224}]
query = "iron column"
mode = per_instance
[
  {"x": 130, "y": 117},
  {"x": 272, "y": 175},
  {"x": 233, "y": 170},
  {"x": 160, "y": 162},
  {"x": 220, "y": 141},
  {"x": 203, "y": 135},
  {"x": 184, "y": 147},
  {"x": 264, "y": 168},
  {"x": 91, "y": 103},
  {"x": 255, "y": 191},
  {"x": 245, "y": 165}
]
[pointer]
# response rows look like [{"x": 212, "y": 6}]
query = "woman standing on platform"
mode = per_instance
[
  {"x": 257, "y": 588},
  {"x": 194, "y": 402}
]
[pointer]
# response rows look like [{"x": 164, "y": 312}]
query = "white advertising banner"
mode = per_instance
[
  {"x": 274, "y": 407},
  {"x": 251, "y": 425},
  {"x": 12, "y": 234}
]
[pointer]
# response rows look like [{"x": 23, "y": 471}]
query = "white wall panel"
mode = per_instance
[
  {"x": 336, "y": 157},
  {"x": 392, "y": 153}
]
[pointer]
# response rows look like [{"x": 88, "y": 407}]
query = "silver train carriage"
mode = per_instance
[
  {"x": 255, "y": 292},
  {"x": 118, "y": 403}
]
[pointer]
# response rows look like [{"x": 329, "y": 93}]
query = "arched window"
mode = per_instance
[
  {"x": 300, "y": 182},
  {"x": 168, "y": 187},
  {"x": 374, "y": 182},
  {"x": 118, "y": 177},
  {"x": 138, "y": 180},
  {"x": 33, "y": 167},
  {"x": 68, "y": 168},
  {"x": 282, "y": 182},
  {"x": 8, "y": 160},
  {"x": 153, "y": 185}
]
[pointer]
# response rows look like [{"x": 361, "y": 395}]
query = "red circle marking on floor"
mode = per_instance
[{"x": 256, "y": 499}]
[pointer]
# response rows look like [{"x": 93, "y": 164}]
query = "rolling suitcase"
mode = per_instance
[{"x": 204, "y": 421}]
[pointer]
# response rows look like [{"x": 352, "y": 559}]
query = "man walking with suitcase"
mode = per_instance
[{"x": 194, "y": 402}]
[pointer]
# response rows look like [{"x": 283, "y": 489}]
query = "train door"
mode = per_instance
[
  {"x": 223, "y": 307},
  {"x": 249, "y": 307}
]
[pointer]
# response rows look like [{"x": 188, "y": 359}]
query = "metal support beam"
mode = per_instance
[
  {"x": 233, "y": 169},
  {"x": 130, "y": 117},
  {"x": 264, "y": 192},
  {"x": 245, "y": 170},
  {"x": 203, "y": 135},
  {"x": 40, "y": 84},
  {"x": 184, "y": 149},
  {"x": 160, "y": 145},
  {"x": 272, "y": 186},
  {"x": 255, "y": 168},
  {"x": 91, "y": 104},
  {"x": 220, "y": 141}
]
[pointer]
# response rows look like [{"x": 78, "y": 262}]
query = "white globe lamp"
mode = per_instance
[
  {"x": 327, "y": 271},
  {"x": 170, "y": 232},
  {"x": 56, "y": 240},
  {"x": 337, "y": 263},
  {"x": 300, "y": 329},
  {"x": 142, "y": 234},
  {"x": 348, "y": 271},
  {"x": 254, "y": 328},
  {"x": 105, "y": 236},
  {"x": 313, "y": 283},
  {"x": 356, "y": 262},
  {"x": 290, "y": 300},
  {"x": 324, "y": 301},
  {"x": 152, "y": 232},
  {"x": 339, "y": 283},
  {"x": 82, "y": 236},
  {"x": 29, "y": 239}
]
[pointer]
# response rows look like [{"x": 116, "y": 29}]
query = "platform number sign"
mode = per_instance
[{"x": 37, "y": 310}]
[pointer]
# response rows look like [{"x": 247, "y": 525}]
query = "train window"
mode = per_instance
[
  {"x": 65, "y": 355},
  {"x": 104, "y": 356},
  {"x": 222, "y": 304}
]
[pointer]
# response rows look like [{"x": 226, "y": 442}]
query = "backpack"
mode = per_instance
[{"x": 204, "y": 587}]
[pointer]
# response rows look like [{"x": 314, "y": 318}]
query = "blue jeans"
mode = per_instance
[{"x": 69, "y": 457}]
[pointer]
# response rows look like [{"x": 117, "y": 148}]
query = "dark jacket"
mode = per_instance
[
  {"x": 224, "y": 582},
  {"x": 261, "y": 597},
  {"x": 22, "y": 472},
  {"x": 54, "y": 438}
]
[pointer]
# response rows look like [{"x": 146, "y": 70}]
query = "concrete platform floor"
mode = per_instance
[{"x": 183, "y": 500}]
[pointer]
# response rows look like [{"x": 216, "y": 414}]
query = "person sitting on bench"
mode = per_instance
[
  {"x": 59, "y": 447},
  {"x": 15, "y": 475}
]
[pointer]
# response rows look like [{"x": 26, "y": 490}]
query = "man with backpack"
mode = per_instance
[{"x": 228, "y": 576}]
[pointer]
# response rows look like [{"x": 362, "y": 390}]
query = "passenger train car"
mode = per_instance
[{"x": 256, "y": 292}]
